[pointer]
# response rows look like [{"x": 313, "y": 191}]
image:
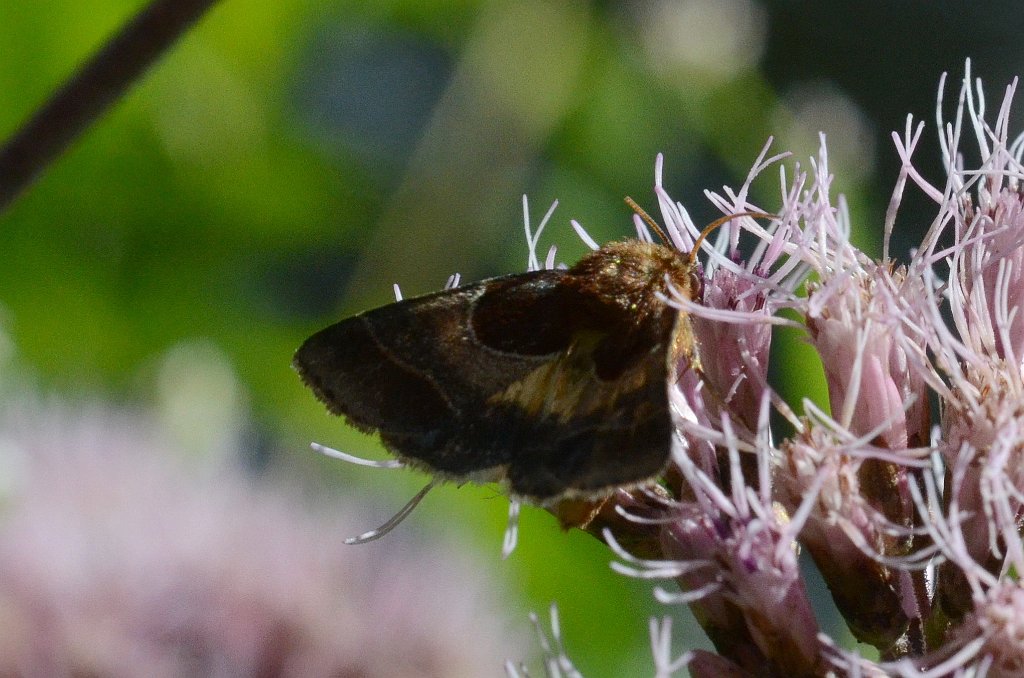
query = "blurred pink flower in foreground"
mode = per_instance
[{"x": 118, "y": 559}]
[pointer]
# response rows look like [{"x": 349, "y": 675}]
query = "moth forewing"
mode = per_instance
[{"x": 552, "y": 382}]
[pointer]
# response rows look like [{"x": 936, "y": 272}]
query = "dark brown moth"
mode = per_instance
[{"x": 553, "y": 383}]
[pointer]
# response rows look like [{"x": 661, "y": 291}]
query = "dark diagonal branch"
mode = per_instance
[{"x": 91, "y": 90}]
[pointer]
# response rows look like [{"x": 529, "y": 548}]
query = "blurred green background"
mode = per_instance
[{"x": 288, "y": 161}]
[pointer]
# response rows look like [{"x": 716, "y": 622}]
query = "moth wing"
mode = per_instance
[
  {"x": 499, "y": 380},
  {"x": 592, "y": 434}
]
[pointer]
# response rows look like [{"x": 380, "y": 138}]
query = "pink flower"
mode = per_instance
[
  {"x": 978, "y": 359},
  {"x": 119, "y": 560},
  {"x": 732, "y": 554},
  {"x": 847, "y": 532},
  {"x": 848, "y": 486}
]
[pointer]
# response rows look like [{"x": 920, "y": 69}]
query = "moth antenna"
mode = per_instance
[
  {"x": 353, "y": 459},
  {"x": 692, "y": 258},
  {"x": 647, "y": 219},
  {"x": 393, "y": 522}
]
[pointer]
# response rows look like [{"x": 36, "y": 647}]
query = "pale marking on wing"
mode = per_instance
[
  {"x": 566, "y": 387},
  {"x": 684, "y": 345}
]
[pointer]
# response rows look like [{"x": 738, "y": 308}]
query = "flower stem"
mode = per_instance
[{"x": 97, "y": 84}]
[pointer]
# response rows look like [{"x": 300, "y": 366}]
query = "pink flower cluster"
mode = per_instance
[
  {"x": 117, "y": 558},
  {"x": 908, "y": 494}
]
